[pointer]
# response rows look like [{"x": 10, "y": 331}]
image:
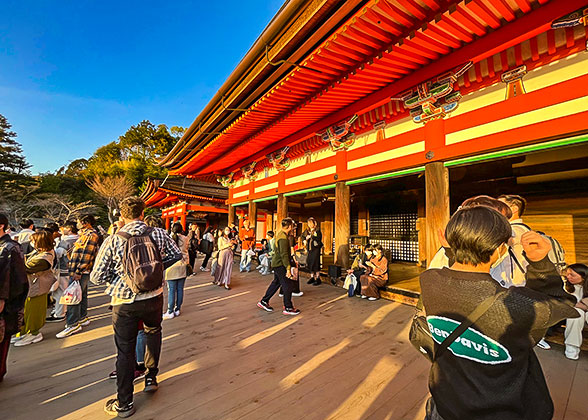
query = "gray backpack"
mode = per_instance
[
  {"x": 557, "y": 254},
  {"x": 142, "y": 262}
]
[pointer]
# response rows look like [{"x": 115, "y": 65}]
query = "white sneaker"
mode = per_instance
[
  {"x": 168, "y": 315},
  {"x": 85, "y": 322},
  {"x": 363, "y": 296},
  {"x": 69, "y": 331},
  {"x": 542, "y": 344},
  {"x": 29, "y": 339},
  {"x": 372, "y": 298},
  {"x": 572, "y": 352},
  {"x": 16, "y": 338},
  {"x": 204, "y": 269},
  {"x": 177, "y": 313},
  {"x": 281, "y": 295},
  {"x": 298, "y": 294}
]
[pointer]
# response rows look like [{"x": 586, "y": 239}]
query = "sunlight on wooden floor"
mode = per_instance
[
  {"x": 102, "y": 359},
  {"x": 378, "y": 315},
  {"x": 355, "y": 406},
  {"x": 312, "y": 364},
  {"x": 86, "y": 336},
  {"x": 224, "y": 298},
  {"x": 266, "y": 333}
]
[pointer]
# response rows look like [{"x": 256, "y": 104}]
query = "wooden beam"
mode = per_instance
[
  {"x": 252, "y": 215},
  {"x": 231, "y": 217},
  {"x": 269, "y": 223},
  {"x": 282, "y": 210},
  {"x": 342, "y": 224},
  {"x": 422, "y": 229},
  {"x": 327, "y": 229},
  {"x": 437, "y": 205}
]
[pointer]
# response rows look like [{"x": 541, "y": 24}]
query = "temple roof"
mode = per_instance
[
  {"x": 158, "y": 192},
  {"x": 377, "y": 50}
]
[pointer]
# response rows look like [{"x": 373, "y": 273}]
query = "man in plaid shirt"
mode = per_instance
[
  {"x": 81, "y": 261},
  {"x": 128, "y": 308}
]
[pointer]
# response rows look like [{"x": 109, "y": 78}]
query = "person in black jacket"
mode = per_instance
[
  {"x": 491, "y": 371},
  {"x": 14, "y": 287},
  {"x": 312, "y": 239}
]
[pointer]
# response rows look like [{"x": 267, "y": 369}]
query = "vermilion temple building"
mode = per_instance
[{"x": 380, "y": 117}]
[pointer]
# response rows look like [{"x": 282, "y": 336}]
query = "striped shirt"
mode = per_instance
[{"x": 109, "y": 266}]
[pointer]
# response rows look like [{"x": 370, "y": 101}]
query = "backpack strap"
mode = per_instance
[
  {"x": 469, "y": 321},
  {"x": 515, "y": 259},
  {"x": 125, "y": 235}
]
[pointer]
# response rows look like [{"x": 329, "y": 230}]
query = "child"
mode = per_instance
[{"x": 491, "y": 372}]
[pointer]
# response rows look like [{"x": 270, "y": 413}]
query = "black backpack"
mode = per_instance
[{"x": 142, "y": 262}]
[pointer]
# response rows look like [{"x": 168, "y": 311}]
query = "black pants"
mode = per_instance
[
  {"x": 280, "y": 280},
  {"x": 295, "y": 284},
  {"x": 191, "y": 257},
  {"x": 4, "y": 347},
  {"x": 206, "y": 258},
  {"x": 125, "y": 320}
]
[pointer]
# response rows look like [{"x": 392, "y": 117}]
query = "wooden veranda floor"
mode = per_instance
[{"x": 342, "y": 358}]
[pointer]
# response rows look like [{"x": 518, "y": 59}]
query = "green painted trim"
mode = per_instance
[
  {"x": 519, "y": 150},
  {"x": 324, "y": 187},
  {"x": 271, "y": 197},
  {"x": 240, "y": 204},
  {"x": 386, "y": 176}
]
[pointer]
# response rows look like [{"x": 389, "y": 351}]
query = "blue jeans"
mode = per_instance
[
  {"x": 175, "y": 295},
  {"x": 140, "y": 347},
  {"x": 245, "y": 264},
  {"x": 75, "y": 313}
]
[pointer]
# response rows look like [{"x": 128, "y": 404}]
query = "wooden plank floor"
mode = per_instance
[{"x": 223, "y": 358}]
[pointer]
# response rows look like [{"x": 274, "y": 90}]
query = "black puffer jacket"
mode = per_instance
[{"x": 14, "y": 285}]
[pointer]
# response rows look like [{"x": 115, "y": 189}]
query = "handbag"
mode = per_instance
[{"x": 420, "y": 336}]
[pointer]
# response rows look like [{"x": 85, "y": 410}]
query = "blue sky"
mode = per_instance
[{"x": 74, "y": 75}]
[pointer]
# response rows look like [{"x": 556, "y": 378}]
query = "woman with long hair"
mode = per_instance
[
  {"x": 39, "y": 264},
  {"x": 575, "y": 283},
  {"x": 176, "y": 274},
  {"x": 222, "y": 275},
  {"x": 377, "y": 277},
  {"x": 312, "y": 238}
]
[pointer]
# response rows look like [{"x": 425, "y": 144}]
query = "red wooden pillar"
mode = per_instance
[
  {"x": 167, "y": 222},
  {"x": 436, "y": 188},
  {"x": 184, "y": 213}
]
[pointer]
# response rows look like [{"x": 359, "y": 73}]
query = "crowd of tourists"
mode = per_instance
[{"x": 490, "y": 295}]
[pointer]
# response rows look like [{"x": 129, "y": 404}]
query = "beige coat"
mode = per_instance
[{"x": 40, "y": 283}]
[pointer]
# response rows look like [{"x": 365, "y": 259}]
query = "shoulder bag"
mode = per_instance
[{"x": 420, "y": 336}]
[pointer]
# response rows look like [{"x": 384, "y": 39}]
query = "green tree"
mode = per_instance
[
  {"x": 134, "y": 155},
  {"x": 14, "y": 169}
]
